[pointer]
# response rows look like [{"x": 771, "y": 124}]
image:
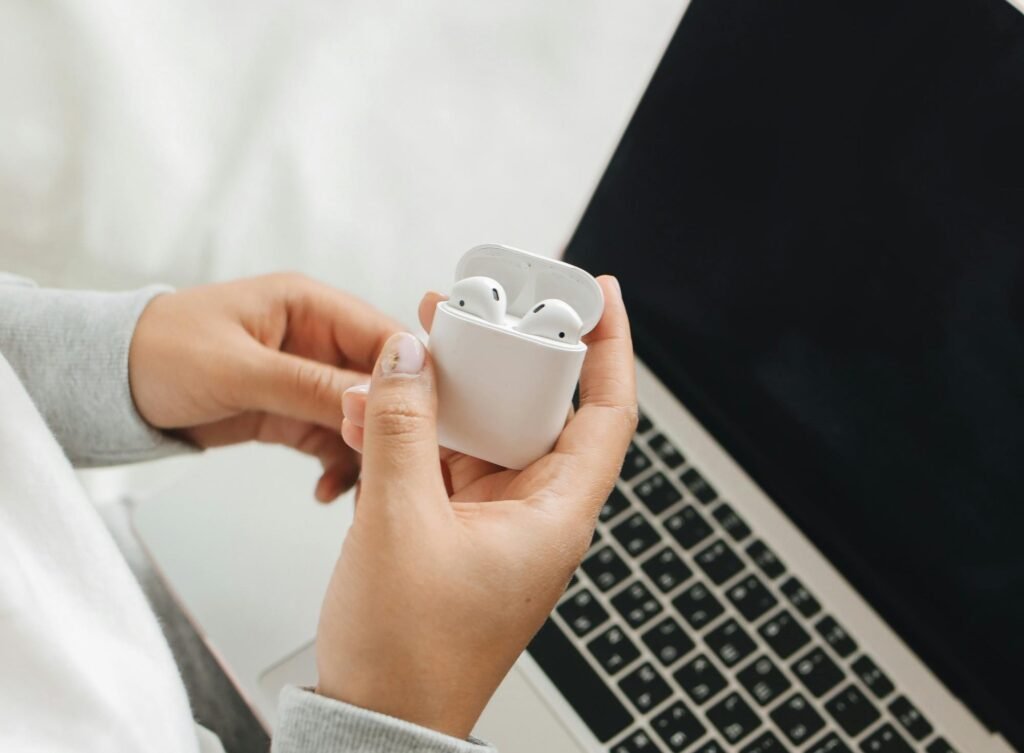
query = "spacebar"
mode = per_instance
[{"x": 585, "y": 691}]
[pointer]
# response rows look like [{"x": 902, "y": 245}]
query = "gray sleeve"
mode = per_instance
[
  {"x": 310, "y": 723},
  {"x": 70, "y": 350}
]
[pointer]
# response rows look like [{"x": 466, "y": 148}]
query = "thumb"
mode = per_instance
[{"x": 400, "y": 456}]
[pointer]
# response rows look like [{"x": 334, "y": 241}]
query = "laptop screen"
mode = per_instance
[{"x": 817, "y": 216}]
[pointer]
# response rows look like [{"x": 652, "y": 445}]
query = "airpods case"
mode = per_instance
[{"x": 504, "y": 395}]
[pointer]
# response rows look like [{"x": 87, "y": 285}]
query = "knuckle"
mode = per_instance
[
  {"x": 397, "y": 418},
  {"x": 291, "y": 276},
  {"x": 289, "y": 281},
  {"x": 315, "y": 380}
]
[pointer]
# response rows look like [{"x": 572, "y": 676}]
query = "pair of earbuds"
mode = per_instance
[{"x": 483, "y": 297}]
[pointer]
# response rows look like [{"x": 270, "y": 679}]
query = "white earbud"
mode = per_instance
[
  {"x": 553, "y": 319},
  {"x": 479, "y": 296}
]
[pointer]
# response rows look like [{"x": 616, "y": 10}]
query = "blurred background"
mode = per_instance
[{"x": 365, "y": 143}]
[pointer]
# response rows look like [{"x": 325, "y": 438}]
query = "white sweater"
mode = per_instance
[{"x": 84, "y": 666}]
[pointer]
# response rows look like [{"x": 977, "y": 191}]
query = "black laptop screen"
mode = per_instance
[{"x": 817, "y": 215}]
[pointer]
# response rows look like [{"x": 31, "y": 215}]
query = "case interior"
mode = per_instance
[{"x": 529, "y": 279}]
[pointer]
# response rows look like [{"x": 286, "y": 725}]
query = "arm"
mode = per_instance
[{"x": 70, "y": 350}]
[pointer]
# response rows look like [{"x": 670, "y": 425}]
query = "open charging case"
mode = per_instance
[{"x": 504, "y": 395}]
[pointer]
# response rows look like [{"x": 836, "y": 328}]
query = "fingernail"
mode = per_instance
[
  {"x": 403, "y": 354},
  {"x": 359, "y": 389}
]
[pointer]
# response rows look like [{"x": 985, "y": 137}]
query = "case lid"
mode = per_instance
[{"x": 529, "y": 279}]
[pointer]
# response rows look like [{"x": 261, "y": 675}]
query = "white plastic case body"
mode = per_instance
[{"x": 504, "y": 396}]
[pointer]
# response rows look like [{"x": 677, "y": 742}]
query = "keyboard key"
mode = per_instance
[
  {"x": 644, "y": 687},
  {"x": 763, "y": 680},
  {"x": 615, "y": 504},
  {"x": 582, "y": 687},
  {"x": 665, "y": 450},
  {"x": 572, "y": 582},
  {"x": 800, "y": 597},
  {"x": 698, "y": 487},
  {"x": 697, "y": 605},
  {"x": 710, "y": 747},
  {"x": 911, "y": 719},
  {"x": 719, "y": 562},
  {"x": 751, "y": 598},
  {"x": 852, "y": 710},
  {"x": 874, "y": 678},
  {"x": 636, "y": 604},
  {"x": 797, "y": 719},
  {"x": 830, "y": 743},
  {"x": 613, "y": 650},
  {"x": 835, "y": 636},
  {"x": 765, "y": 559},
  {"x": 766, "y": 742},
  {"x": 606, "y": 568},
  {"x": 595, "y": 537},
  {"x": 668, "y": 641},
  {"x": 657, "y": 493},
  {"x": 643, "y": 424},
  {"x": 939, "y": 745},
  {"x": 731, "y": 522},
  {"x": 636, "y": 741},
  {"x": 733, "y": 718},
  {"x": 678, "y": 726},
  {"x": 635, "y": 534},
  {"x": 700, "y": 679},
  {"x": 688, "y": 527},
  {"x": 784, "y": 634},
  {"x": 885, "y": 739},
  {"x": 582, "y": 612},
  {"x": 635, "y": 463},
  {"x": 817, "y": 672},
  {"x": 666, "y": 570},
  {"x": 730, "y": 642}
]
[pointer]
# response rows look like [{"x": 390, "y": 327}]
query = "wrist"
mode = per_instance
[{"x": 146, "y": 358}]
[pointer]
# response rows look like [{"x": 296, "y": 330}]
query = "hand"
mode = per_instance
[
  {"x": 264, "y": 359},
  {"x": 442, "y": 582}
]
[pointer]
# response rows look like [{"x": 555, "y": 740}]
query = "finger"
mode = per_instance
[
  {"x": 428, "y": 307},
  {"x": 352, "y": 435},
  {"x": 321, "y": 443},
  {"x": 353, "y": 404},
  {"x": 465, "y": 469},
  {"x": 357, "y": 330},
  {"x": 335, "y": 480},
  {"x": 340, "y": 462},
  {"x": 597, "y": 436},
  {"x": 289, "y": 385},
  {"x": 226, "y": 431},
  {"x": 462, "y": 469},
  {"x": 400, "y": 432}
]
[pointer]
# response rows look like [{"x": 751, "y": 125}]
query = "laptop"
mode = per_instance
[{"x": 817, "y": 217}]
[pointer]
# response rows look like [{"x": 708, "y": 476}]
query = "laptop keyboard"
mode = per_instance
[{"x": 684, "y": 631}]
